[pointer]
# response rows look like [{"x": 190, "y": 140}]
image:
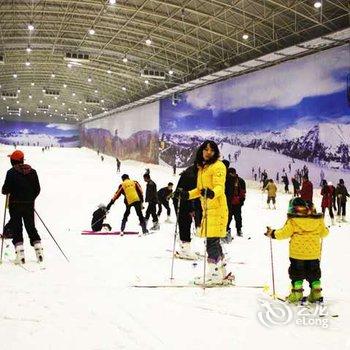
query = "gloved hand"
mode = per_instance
[
  {"x": 110, "y": 204},
  {"x": 208, "y": 193},
  {"x": 269, "y": 232},
  {"x": 181, "y": 194}
]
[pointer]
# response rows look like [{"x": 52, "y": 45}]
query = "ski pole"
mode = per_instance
[
  {"x": 272, "y": 271},
  {"x": 206, "y": 236},
  {"x": 175, "y": 235},
  {"x": 3, "y": 228},
  {"x": 50, "y": 234}
]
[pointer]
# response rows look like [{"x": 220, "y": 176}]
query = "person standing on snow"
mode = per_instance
[
  {"x": 210, "y": 189},
  {"x": 306, "y": 192},
  {"x": 341, "y": 193},
  {"x": 187, "y": 211},
  {"x": 327, "y": 193},
  {"x": 23, "y": 187},
  {"x": 164, "y": 195},
  {"x": 152, "y": 200},
  {"x": 133, "y": 197},
  {"x": 306, "y": 229},
  {"x": 271, "y": 189}
]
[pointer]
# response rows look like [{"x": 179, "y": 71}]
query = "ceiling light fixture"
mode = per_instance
[
  {"x": 89, "y": 79},
  {"x": 27, "y": 63},
  {"x": 73, "y": 94},
  {"x": 96, "y": 91},
  {"x": 69, "y": 65},
  {"x": 123, "y": 88},
  {"x": 30, "y": 27},
  {"x": 92, "y": 31},
  {"x": 15, "y": 75},
  {"x": 41, "y": 101},
  {"x": 64, "y": 85},
  {"x": 18, "y": 90},
  {"x": 112, "y": 2},
  {"x": 30, "y": 96},
  {"x": 245, "y": 36},
  {"x": 146, "y": 82},
  {"x": 109, "y": 71},
  {"x": 29, "y": 49},
  {"x": 148, "y": 42},
  {"x": 171, "y": 72},
  {"x": 317, "y": 4},
  {"x": 32, "y": 83},
  {"x": 125, "y": 59}
]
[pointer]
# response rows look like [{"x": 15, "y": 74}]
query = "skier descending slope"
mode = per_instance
[
  {"x": 211, "y": 190},
  {"x": 306, "y": 229},
  {"x": 22, "y": 186},
  {"x": 133, "y": 198},
  {"x": 187, "y": 210}
]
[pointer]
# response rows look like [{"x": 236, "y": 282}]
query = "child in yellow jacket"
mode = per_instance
[{"x": 306, "y": 229}]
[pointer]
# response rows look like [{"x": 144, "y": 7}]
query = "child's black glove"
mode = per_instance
[{"x": 207, "y": 192}]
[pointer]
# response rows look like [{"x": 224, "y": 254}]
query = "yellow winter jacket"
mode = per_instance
[
  {"x": 271, "y": 189},
  {"x": 305, "y": 235},
  {"x": 212, "y": 176},
  {"x": 131, "y": 190}
]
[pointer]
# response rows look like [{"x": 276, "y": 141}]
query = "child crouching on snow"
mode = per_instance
[{"x": 305, "y": 228}]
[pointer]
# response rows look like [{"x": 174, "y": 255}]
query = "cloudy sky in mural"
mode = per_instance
[{"x": 300, "y": 93}]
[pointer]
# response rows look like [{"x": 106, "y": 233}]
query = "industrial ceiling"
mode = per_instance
[{"x": 71, "y": 60}]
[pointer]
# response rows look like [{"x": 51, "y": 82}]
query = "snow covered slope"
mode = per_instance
[{"x": 89, "y": 303}]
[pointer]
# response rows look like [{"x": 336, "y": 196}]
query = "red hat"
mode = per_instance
[{"x": 16, "y": 155}]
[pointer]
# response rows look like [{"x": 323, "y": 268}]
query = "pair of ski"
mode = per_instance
[{"x": 311, "y": 307}]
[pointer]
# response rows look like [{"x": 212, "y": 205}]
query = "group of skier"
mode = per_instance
[{"x": 209, "y": 193}]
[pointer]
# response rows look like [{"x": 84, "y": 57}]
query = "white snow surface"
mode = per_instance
[{"x": 90, "y": 304}]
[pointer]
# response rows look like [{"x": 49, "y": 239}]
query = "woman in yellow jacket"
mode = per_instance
[
  {"x": 306, "y": 229},
  {"x": 210, "y": 188}
]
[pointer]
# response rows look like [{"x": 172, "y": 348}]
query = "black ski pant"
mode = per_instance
[
  {"x": 330, "y": 209},
  {"x": 152, "y": 211},
  {"x": 236, "y": 212},
  {"x": 341, "y": 207},
  {"x": 185, "y": 221},
  {"x": 304, "y": 269},
  {"x": 137, "y": 206},
  {"x": 214, "y": 250},
  {"x": 164, "y": 203},
  {"x": 25, "y": 212}
]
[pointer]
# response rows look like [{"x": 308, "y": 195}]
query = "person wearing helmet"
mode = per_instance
[
  {"x": 306, "y": 229},
  {"x": 22, "y": 186}
]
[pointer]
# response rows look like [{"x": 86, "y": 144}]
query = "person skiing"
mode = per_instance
[
  {"x": 296, "y": 187},
  {"x": 271, "y": 189},
  {"x": 327, "y": 193},
  {"x": 133, "y": 197},
  {"x": 306, "y": 192},
  {"x": 23, "y": 187},
  {"x": 174, "y": 169},
  {"x": 306, "y": 229},
  {"x": 228, "y": 193},
  {"x": 118, "y": 165},
  {"x": 187, "y": 211},
  {"x": 285, "y": 180},
  {"x": 152, "y": 200},
  {"x": 237, "y": 198},
  {"x": 164, "y": 195},
  {"x": 210, "y": 188},
  {"x": 341, "y": 193}
]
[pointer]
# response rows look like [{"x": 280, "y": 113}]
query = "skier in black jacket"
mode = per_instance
[
  {"x": 152, "y": 200},
  {"x": 187, "y": 211},
  {"x": 22, "y": 186},
  {"x": 164, "y": 195}
]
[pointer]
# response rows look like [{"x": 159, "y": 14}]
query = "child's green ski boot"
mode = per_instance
[
  {"x": 315, "y": 294},
  {"x": 296, "y": 294}
]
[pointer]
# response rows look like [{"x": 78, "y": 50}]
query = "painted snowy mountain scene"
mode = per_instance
[{"x": 296, "y": 113}]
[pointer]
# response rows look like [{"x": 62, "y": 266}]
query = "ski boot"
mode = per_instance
[
  {"x": 155, "y": 226},
  {"x": 168, "y": 220},
  {"x": 315, "y": 294},
  {"x": 296, "y": 294},
  {"x": 228, "y": 277},
  {"x": 239, "y": 233},
  {"x": 228, "y": 239},
  {"x": 38, "y": 252},
  {"x": 185, "y": 252},
  {"x": 213, "y": 277},
  {"x": 20, "y": 258}
]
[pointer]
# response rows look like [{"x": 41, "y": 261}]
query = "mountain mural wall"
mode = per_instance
[
  {"x": 39, "y": 134},
  {"x": 131, "y": 134},
  {"x": 297, "y": 113}
]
